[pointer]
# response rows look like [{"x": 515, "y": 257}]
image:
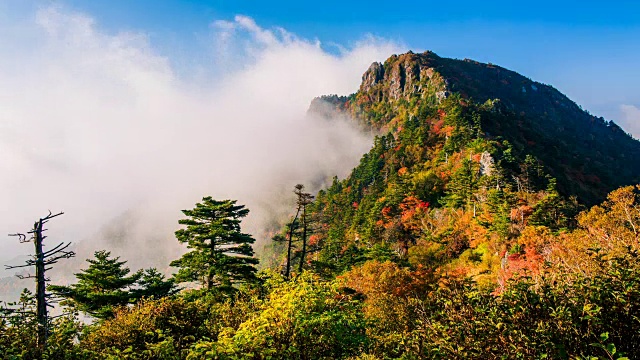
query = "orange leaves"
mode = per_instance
[
  {"x": 538, "y": 238},
  {"x": 403, "y": 171},
  {"x": 613, "y": 227},
  {"x": 375, "y": 279},
  {"x": 412, "y": 202},
  {"x": 521, "y": 213},
  {"x": 615, "y": 223},
  {"x": 412, "y": 209},
  {"x": 437, "y": 126},
  {"x": 387, "y": 220},
  {"x": 386, "y": 211},
  {"x": 314, "y": 240},
  {"x": 448, "y": 130}
]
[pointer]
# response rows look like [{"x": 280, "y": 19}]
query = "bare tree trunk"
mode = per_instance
[
  {"x": 41, "y": 300},
  {"x": 41, "y": 260},
  {"x": 303, "y": 255},
  {"x": 304, "y": 199},
  {"x": 290, "y": 244}
]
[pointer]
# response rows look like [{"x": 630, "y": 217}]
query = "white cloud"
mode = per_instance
[
  {"x": 101, "y": 126},
  {"x": 631, "y": 119}
]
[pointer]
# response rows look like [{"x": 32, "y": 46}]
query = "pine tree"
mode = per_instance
[
  {"x": 462, "y": 185},
  {"x": 221, "y": 255},
  {"x": 153, "y": 285},
  {"x": 102, "y": 287}
]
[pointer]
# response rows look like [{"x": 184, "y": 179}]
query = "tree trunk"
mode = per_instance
[
  {"x": 303, "y": 255},
  {"x": 41, "y": 301},
  {"x": 213, "y": 258},
  {"x": 289, "y": 244}
]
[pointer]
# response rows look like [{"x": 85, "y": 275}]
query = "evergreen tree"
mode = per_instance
[
  {"x": 463, "y": 184},
  {"x": 102, "y": 287},
  {"x": 19, "y": 328},
  {"x": 221, "y": 255},
  {"x": 554, "y": 211},
  {"x": 153, "y": 285}
]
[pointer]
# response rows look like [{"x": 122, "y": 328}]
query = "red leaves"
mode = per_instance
[
  {"x": 437, "y": 126},
  {"x": 313, "y": 240},
  {"x": 412, "y": 202},
  {"x": 519, "y": 264}
]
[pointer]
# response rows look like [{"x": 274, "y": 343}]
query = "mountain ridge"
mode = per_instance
[{"x": 588, "y": 155}]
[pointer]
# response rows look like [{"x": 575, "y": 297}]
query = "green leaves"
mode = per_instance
[
  {"x": 221, "y": 255},
  {"x": 102, "y": 287},
  {"x": 106, "y": 285},
  {"x": 305, "y": 318},
  {"x": 609, "y": 349}
]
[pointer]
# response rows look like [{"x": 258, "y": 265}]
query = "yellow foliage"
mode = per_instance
[{"x": 613, "y": 227}]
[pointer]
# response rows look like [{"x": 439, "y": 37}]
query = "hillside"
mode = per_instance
[
  {"x": 468, "y": 156},
  {"x": 588, "y": 155}
]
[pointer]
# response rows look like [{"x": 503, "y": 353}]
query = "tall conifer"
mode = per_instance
[{"x": 221, "y": 255}]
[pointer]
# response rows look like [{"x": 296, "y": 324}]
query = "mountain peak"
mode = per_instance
[
  {"x": 402, "y": 76},
  {"x": 428, "y": 75}
]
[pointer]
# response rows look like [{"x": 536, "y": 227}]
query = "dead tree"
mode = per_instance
[
  {"x": 303, "y": 200},
  {"x": 42, "y": 261}
]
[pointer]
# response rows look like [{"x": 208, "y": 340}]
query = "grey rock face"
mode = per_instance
[{"x": 372, "y": 76}]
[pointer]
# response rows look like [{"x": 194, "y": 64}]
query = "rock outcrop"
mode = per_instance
[{"x": 400, "y": 77}]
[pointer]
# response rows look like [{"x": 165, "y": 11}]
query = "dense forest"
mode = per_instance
[{"x": 493, "y": 218}]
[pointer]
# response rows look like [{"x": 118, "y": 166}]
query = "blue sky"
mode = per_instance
[{"x": 588, "y": 49}]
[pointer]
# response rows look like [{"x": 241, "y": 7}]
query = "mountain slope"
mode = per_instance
[
  {"x": 469, "y": 157},
  {"x": 588, "y": 155}
]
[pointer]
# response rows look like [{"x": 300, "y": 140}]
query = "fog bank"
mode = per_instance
[{"x": 105, "y": 128}]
